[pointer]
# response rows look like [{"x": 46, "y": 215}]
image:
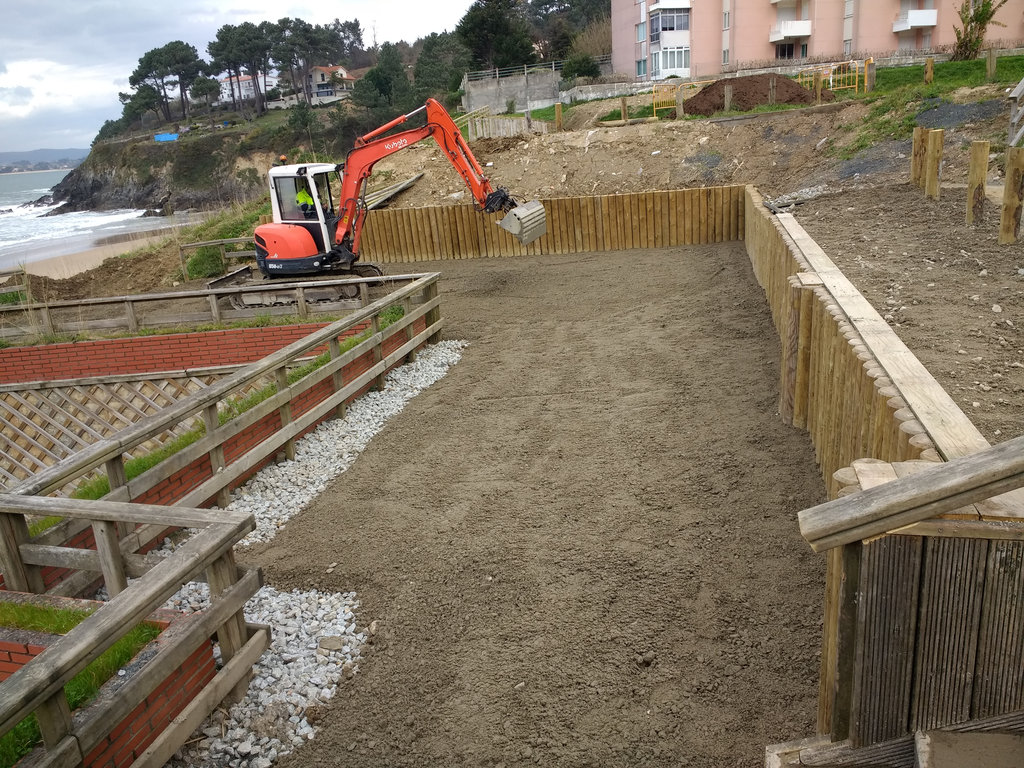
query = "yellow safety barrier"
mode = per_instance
[
  {"x": 835, "y": 77},
  {"x": 664, "y": 95}
]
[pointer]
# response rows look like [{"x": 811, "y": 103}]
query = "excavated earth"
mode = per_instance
[{"x": 581, "y": 545}]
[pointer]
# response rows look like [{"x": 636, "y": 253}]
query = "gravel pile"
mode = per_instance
[{"x": 316, "y": 641}]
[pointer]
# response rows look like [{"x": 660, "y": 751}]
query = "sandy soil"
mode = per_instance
[{"x": 580, "y": 545}]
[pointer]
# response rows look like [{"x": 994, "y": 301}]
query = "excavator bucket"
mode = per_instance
[{"x": 526, "y": 222}]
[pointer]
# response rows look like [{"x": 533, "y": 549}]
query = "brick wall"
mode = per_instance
[
  {"x": 171, "y": 352},
  {"x": 140, "y": 728}
]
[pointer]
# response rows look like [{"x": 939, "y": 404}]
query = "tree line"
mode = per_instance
[{"x": 170, "y": 79}]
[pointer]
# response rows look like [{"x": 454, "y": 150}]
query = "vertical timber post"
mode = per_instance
[
  {"x": 933, "y": 163},
  {"x": 869, "y": 75},
  {"x": 558, "y": 117},
  {"x": 917, "y": 156},
  {"x": 990, "y": 65},
  {"x": 1013, "y": 196},
  {"x": 976, "y": 174},
  {"x": 623, "y": 109},
  {"x": 680, "y": 105},
  {"x": 818, "y": 85},
  {"x": 727, "y": 99},
  {"x": 929, "y": 70},
  {"x": 337, "y": 378}
]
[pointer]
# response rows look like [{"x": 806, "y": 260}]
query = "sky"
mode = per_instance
[{"x": 63, "y": 62}]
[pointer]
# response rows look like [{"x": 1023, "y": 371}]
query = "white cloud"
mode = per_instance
[{"x": 64, "y": 61}]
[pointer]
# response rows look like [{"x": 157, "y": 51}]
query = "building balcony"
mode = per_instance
[
  {"x": 915, "y": 20},
  {"x": 787, "y": 30}
]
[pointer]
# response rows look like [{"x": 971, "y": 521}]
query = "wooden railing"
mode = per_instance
[
  {"x": 38, "y": 687},
  {"x": 159, "y": 310},
  {"x": 341, "y": 378}
]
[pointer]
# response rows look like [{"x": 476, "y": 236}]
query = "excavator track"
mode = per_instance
[{"x": 312, "y": 293}]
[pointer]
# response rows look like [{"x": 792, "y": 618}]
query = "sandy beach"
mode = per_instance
[{"x": 60, "y": 267}]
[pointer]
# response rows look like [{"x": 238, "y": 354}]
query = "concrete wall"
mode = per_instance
[{"x": 540, "y": 87}]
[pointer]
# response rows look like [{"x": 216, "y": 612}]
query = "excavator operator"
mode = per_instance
[{"x": 305, "y": 201}]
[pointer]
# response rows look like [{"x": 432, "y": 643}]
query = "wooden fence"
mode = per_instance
[
  {"x": 575, "y": 225},
  {"x": 211, "y": 305},
  {"x": 38, "y": 687},
  {"x": 866, "y": 400}
]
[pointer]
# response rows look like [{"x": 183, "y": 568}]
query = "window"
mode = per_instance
[
  {"x": 641, "y": 68},
  {"x": 848, "y": 10},
  {"x": 847, "y": 47},
  {"x": 669, "y": 21},
  {"x": 784, "y": 51},
  {"x": 641, "y": 31},
  {"x": 675, "y": 58},
  {"x": 803, "y": 50},
  {"x": 725, "y": 56},
  {"x": 656, "y": 65},
  {"x": 725, "y": 20}
]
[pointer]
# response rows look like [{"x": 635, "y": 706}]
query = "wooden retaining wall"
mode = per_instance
[
  {"x": 575, "y": 225},
  {"x": 906, "y": 644}
]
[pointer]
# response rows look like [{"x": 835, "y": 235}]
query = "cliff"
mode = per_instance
[{"x": 201, "y": 172}]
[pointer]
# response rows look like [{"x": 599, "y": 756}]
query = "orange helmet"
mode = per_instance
[{"x": 284, "y": 157}]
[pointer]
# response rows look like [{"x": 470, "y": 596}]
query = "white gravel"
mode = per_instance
[{"x": 316, "y": 641}]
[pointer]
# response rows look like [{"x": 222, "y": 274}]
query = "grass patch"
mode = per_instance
[{"x": 82, "y": 688}]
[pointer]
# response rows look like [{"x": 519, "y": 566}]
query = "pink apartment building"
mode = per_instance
[{"x": 656, "y": 39}]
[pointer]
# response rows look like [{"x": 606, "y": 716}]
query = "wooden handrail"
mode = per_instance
[{"x": 932, "y": 491}]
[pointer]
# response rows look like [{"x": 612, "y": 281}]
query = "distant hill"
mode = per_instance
[{"x": 43, "y": 156}]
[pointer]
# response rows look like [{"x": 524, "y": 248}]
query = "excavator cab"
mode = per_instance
[{"x": 304, "y": 205}]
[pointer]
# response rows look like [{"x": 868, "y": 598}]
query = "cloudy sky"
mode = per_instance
[{"x": 63, "y": 62}]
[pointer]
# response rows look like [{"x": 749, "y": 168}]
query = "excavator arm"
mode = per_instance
[{"x": 376, "y": 145}]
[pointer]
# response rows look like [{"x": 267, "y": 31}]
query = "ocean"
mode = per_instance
[{"x": 27, "y": 235}]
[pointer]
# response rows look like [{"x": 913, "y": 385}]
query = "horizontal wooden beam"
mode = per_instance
[{"x": 920, "y": 496}]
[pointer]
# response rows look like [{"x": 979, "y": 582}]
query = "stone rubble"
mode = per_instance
[{"x": 315, "y": 638}]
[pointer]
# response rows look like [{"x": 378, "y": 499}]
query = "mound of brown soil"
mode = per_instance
[{"x": 750, "y": 92}]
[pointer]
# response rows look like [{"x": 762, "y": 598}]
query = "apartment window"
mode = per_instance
[
  {"x": 656, "y": 65},
  {"x": 725, "y": 20},
  {"x": 784, "y": 51},
  {"x": 668, "y": 21},
  {"x": 641, "y": 68},
  {"x": 803, "y": 50},
  {"x": 675, "y": 58},
  {"x": 848, "y": 10},
  {"x": 641, "y": 31},
  {"x": 725, "y": 56},
  {"x": 847, "y": 47}
]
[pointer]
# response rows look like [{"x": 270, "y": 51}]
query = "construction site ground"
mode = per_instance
[{"x": 581, "y": 545}]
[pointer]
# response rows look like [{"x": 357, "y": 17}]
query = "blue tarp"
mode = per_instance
[{"x": 165, "y": 137}]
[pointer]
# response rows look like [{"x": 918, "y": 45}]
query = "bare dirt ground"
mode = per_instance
[{"x": 580, "y": 545}]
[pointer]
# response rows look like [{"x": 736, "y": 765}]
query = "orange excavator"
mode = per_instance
[{"x": 317, "y": 231}]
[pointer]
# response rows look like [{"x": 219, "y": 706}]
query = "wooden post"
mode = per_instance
[
  {"x": 933, "y": 163},
  {"x": 771, "y": 91},
  {"x": 108, "y": 547},
  {"x": 378, "y": 353},
  {"x": 558, "y": 117},
  {"x": 133, "y": 321},
  {"x": 680, "y": 105},
  {"x": 337, "y": 379},
  {"x": 212, "y": 422},
  {"x": 285, "y": 411},
  {"x": 434, "y": 315},
  {"x": 410, "y": 332},
  {"x": 214, "y": 307},
  {"x": 990, "y": 65},
  {"x": 231, "y": 635},
  {"x": 623, "y": 109},
  {"x": 184, "y": 270},
  {"x": 869, "y": 76},
  {"x": 929, "y": 70},
  {"x": 976, "y": 174},
  {"x": 917, "y": 156},
  {"x": 819, "y": 83},
  {"x": 54, "y": 718},
  {"x": 18, "y": 576},
  {"x": 1013, "y": 196},
  {"x": 727, "y": 98}
]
